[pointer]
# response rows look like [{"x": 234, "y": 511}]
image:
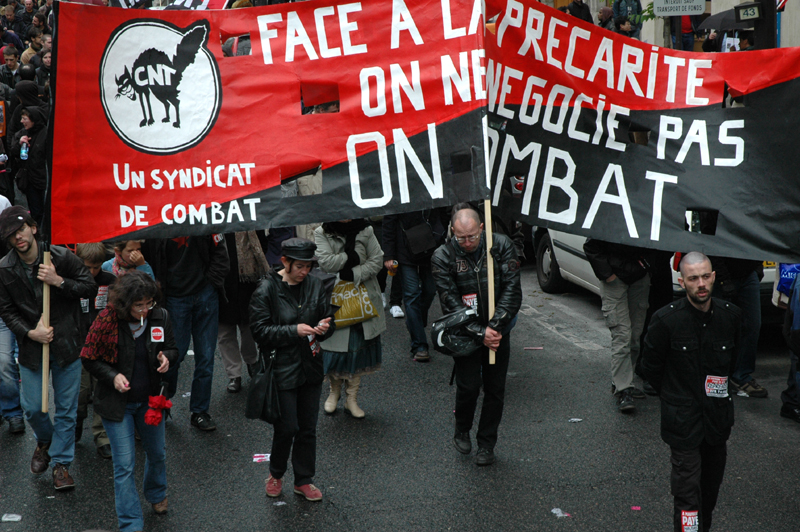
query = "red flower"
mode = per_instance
[
  {"x": 152, "y": 417},
  {"x": 157, "y": 404},
  {"x": 160, "y": 402}
]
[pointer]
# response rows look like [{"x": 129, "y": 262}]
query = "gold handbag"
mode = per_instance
[{"x": 354, "y": 304}]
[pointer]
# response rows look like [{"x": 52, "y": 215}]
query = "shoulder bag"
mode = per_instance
[{"x": 262, "y": 396}]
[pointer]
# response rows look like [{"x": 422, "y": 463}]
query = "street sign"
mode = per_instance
[
  {"x": 674, "y": 8},
  {"x": 747, "y": 12}
]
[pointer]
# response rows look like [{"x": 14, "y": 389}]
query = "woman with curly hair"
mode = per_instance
[{"x": 128, "y": 349}]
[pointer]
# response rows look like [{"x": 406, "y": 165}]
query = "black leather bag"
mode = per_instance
[
  {"x": 262, "y": 396},
  {"x": 420, "y": 240}
]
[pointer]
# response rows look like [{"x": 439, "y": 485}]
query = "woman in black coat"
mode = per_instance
[
  {"x": 290, "y": 314},
  {"x": 32, "y": 171},
  {"x": 129, "y": 348}
]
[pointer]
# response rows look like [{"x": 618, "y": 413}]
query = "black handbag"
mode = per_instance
[
  {"x": 420, "y": 239},
  {"x": 262, "y": 396}
]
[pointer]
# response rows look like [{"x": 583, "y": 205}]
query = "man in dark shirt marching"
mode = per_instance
[
  {"x": 689, "y": 357},
  {"x": 192, "y": 272}
]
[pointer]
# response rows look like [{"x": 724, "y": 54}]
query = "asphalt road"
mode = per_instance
[{"x": 397, "y": 469}]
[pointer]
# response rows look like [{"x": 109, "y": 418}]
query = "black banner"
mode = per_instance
[{"x": 595, "y": 134}]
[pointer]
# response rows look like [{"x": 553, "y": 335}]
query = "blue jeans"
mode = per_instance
[
  {"x": 60, "y": 432},
  {"x": 195, "y": 318},
  {"x": 687, "y": 41},
  {"x": 9, "y": 374},
  {"x": 123, "y": 454},
  {"x": 419, "y": 289},
  {"x": 745, "y": 293}
]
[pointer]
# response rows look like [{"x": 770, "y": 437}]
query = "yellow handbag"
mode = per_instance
[{"x": 354, "y": 304}]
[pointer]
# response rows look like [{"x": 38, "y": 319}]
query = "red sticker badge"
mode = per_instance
[
  {"x": 689, "y": 521},
  {"x": 716, "y": 386},
  {"x": 157, "y": 334},
  {"x": 470, "y": 300}
]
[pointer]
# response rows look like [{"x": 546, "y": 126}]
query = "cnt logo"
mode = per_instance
[{"x": 160, "y": 86}]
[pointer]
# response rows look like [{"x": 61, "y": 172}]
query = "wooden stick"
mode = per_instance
[
  {"x": 45, "y": 347},
  {"x": 487, "y": 211}
]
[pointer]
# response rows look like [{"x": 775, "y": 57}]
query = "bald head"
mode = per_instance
[
  {"x": 465, "y": 217},
  {"x": 467, "y": 229},
  {"x": 691, "y": 259}
]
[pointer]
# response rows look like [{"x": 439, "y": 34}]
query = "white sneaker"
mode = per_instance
[
  {"x": 383, "y": 297},
  {"x": 397, "y": 312}
]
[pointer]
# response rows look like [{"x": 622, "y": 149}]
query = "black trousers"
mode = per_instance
[
  {"x": 696, "y": 478},
  {"x": 789, "y": 396},
  {"x": 471, "y": 372},
  {"x": 296, "y": 433}
]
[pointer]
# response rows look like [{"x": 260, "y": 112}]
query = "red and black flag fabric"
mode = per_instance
[
  {"x": 614, "y": 138},
  {"x": 157, "y": 134},
  {"x": 411, "y": 104},
  {"x": 174, "y": 4}
]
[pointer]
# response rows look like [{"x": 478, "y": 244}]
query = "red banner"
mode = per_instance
[{"x": 157, "y": 134}]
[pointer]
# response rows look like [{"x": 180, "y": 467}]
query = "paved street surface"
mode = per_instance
[{"x": 397, "y": 469}]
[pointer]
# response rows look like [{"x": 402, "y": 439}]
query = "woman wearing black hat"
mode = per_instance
[{"x": 290, "y": 312}]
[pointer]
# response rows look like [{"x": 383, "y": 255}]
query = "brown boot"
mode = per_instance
[
  {"x": 350, "y": 403},
  {"x": 61, "y": 478},
  {"x": 333, "y": 398},
  {"x": 40, "y": 459}
]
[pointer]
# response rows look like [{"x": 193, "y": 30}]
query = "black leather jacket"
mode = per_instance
[
  {"x": 682, "y": 352},
  {"x": 626, "y": 262},
  {"x": 274, "y": 316},
  {"x": 458, "y": 277},
  {"x": 108, "y": 402},
  {"x": 21, "y": 305}
]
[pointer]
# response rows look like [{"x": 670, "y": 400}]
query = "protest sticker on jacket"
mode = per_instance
[
  {"x": 157, "y": 134},
  {"x": 597, "y": 134}
]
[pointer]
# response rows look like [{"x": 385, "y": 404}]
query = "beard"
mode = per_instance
[{"x": 693, "y": 297}]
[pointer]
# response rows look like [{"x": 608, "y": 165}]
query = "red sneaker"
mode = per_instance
[
  {"x": 274, "y": 486},
  {"x": 309, "y": 491}
]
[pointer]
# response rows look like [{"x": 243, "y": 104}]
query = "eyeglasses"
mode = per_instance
[
  {"x": 468, "y": 238},
  {"x": 139, "y": 307}
]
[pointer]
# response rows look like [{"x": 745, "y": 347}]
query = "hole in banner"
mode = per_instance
[
  {"x": 639, "y": 135},
  {"x": 703, "y": 221},
  {"x": 732, "y": 98},
  {"x": 461, "y": 162},
  {"x": 319, "y": 97},
  {"x": 236, "y": 46}
]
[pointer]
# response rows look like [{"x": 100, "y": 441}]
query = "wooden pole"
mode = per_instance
[
  {"x": 45, "y": 347},
  {"x": 487, "y": 213}
]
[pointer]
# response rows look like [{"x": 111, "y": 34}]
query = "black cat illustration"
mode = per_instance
[{"x": 154, "y": 73}]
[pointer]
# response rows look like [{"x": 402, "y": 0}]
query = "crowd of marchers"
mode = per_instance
[{"x": 124, "y": 315}]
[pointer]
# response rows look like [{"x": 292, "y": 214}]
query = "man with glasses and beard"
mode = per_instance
[
  {"x": 689, "y": 355},
  {"x": 460, "y": 270}
]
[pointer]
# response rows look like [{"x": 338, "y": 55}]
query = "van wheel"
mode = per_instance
[{"x": 547, "y": 271}]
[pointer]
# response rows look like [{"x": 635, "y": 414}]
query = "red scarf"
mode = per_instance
[
  {"x": 102, "y": 342},
  {"x": 120, "y": 267}
]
